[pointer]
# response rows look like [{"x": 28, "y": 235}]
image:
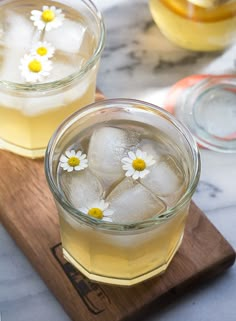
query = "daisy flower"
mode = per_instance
[
  {"x": 34, "y": 68},
  {"x": 73, "y": 161},
  {"x": 43, "y": 49},
  {"x": 137, "y": 163},
  {"x": 99, "y": 210},
  {"x": 48, "y": 18}
]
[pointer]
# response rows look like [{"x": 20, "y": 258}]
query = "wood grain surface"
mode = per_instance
[{"x": 28, "y": 213}]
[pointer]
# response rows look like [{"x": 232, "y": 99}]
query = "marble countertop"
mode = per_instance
[{"x": 138, "y": 62}]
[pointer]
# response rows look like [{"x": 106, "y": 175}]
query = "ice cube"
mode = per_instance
[
  {"x": 132, "y": 202},
  {"x": 151, "y": 147},
  {"x": 16, "y": 41},
  {"x": 19, "y": 31},
  {"x": 166, "y": 179},
  {"x": 64, "y": 67},
  {"x": 107, "y": 147},
  {"x": 68, "y": 38},
  {"x": 81, "y": 188},
  {"x": 9, "y": 69}
]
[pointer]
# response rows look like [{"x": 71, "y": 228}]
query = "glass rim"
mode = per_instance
[
  {"x": 9, "y": 85},
  {"x": 165, "y": 216}
]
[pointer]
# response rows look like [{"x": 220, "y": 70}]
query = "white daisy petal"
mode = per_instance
[
  {"x": 63, "y": 159},
  {"x": 68, "y": 153},
  {"x": 36, "y": 13},
  {"x": 65, "y": 166},
  {"x": 144, "y": 173},
  {"x": 126, "y": 160},
  {"x": 130, "y": 172},
  {"x": 139, "y": 154},
  {"x": 79, "y": 153},
  {"x": 107, "y": 219},
  {"x": 48, "y": 27},
  {"x": 73, "y": 152},
  {"x": 132, "y": 155},
  {"x": 136, "y": 175},
  {"x": 126, "y": 167},
  {"x": 39, "y": 24},
  {"x": 83, "y": 156},
  {"x": 83, "y": 210},
  {"x": 108, "y": 213},
  {"x": 69, "y": 169},
  {"x": 84, "y": 162}
]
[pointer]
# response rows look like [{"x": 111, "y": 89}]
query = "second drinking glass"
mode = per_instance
[{"x": 49, "y": 59}]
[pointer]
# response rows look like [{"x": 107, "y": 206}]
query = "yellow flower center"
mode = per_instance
[
  {"x": 73, "y": 161},
  {"x": 48, "y": 16},
  {"x": 96, "y": 212},
  {"x": 139, "y": 164},
  {"x": 35, "y": 66},
  {"x": 42, "y": 51}
]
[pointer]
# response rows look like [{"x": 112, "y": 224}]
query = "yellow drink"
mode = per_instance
[
  {"x": 28, "y": 135},
  {"x": 196, "y": 27},
  {"x": 121, "y": 259},
  {"x": 30, "y": 111}
]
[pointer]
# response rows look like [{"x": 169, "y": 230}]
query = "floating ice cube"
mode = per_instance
[
  {"x": 166, "y": 179},
  {"x": 107, "y": 147},
  {"x": 17, "y": 40},
  {"x": 19, "y": 32},
  {"x": 68, "y": 38},
  {"x": 64, "y": 66},
  {"x": 9, "y": 69},
  {"x": 132, "y": 202},
  {"x": 81, "y": 188},
  {"x": 151, "y": 147}
]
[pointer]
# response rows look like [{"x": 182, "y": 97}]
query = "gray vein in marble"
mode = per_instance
[{"x": 208, "y": 188}]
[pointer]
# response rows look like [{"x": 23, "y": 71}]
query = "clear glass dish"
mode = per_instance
[{"x": 208, "y": 109}]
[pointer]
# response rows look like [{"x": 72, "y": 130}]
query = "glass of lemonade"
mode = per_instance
[
  {"x": 122, "y": 173},
  {"x": 49, "y": 53}
]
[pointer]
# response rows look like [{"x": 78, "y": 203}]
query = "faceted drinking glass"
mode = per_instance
[
  {"x": 115, "y": 252},
  {"x": 49, "y": 55}
]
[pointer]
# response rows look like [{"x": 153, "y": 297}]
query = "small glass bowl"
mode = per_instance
[{"x": 207, "y": 106}]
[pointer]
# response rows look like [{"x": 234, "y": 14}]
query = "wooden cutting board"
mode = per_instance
[{"x": 28, "y": 213}]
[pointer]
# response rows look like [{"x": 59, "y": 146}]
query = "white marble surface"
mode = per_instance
[{"x": 139, "y": 63}]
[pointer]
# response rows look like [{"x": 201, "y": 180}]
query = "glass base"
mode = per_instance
[
  {"x": 117, "y": 281},
  {"x": 30, "y": 153}
]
